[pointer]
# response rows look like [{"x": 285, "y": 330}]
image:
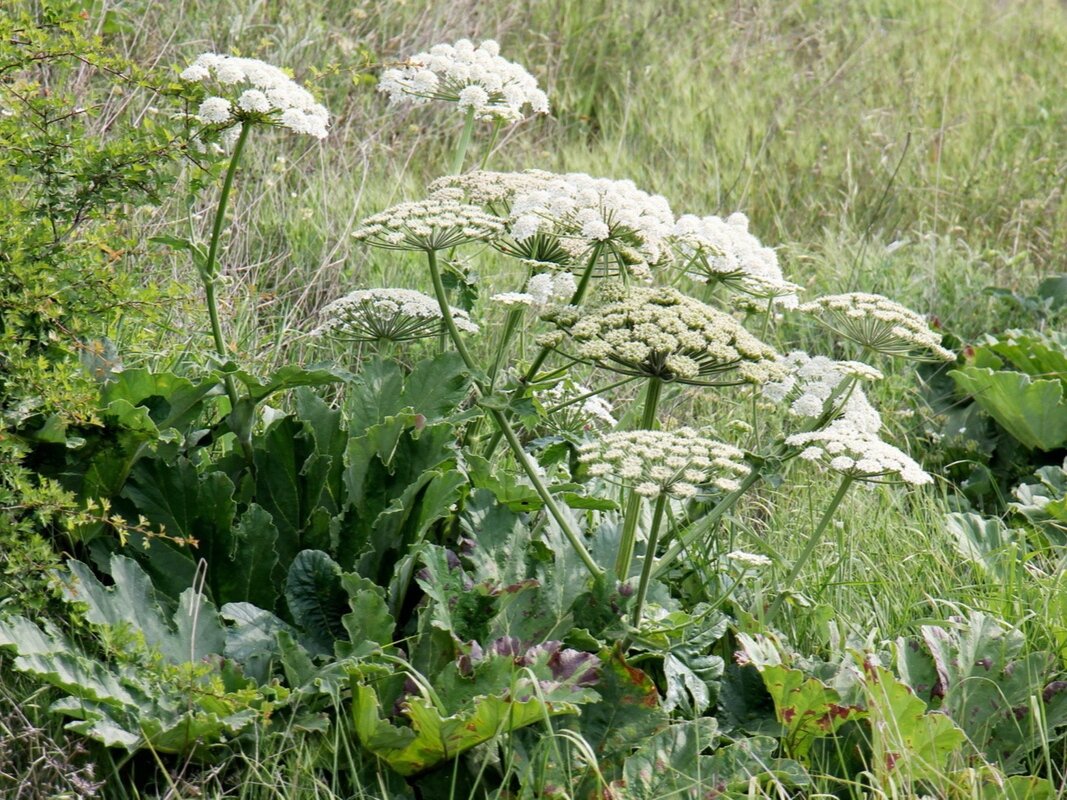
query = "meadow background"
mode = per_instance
[{"x": 915, "y": 149}]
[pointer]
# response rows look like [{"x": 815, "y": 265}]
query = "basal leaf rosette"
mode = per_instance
[
  {"x": 851, "y": 445},
  {"x": 722, "y": 251},
  {"x": 386, "y": 315},
  {"x": 661, "y": 333},
  {"x": 879, "y": 324},
  {"x": 440, "y": 222},
  {"x": 254, "y": 91},
  {"x": 675, "y": 463},
  {"x": 478, "y": 79},
  {"x": 810, "y": 381}
]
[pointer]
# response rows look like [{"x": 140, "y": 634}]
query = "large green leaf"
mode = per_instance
[
  {"x": 171, "y": 400},
  {"x": 163, "y": 684},
  {"x": 987, "y": 542},
  {"x": 806, "y": 707},
  {"x": 317, "y": 599},
  {"x": 506, "y": 689},
  {"x": 1044, "y": 504},
  {"x": 185, "y": 504},
  {"x": 988, "y": 687},
  {"x": 1031, "y": 410},
  {"x": 629, "y": 712}
]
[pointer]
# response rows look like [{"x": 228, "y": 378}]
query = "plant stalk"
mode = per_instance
[
  {"x": 505, "y": 428},
  {"x": 809, "y": 549},
  {"x": 463, "y": 143},
  {"x": 650, "y": 557},
  {"x": 633, "y": 503}
]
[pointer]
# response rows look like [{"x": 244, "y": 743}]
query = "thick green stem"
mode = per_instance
[
  {"x": 809, "y": 549},
  {"x": 209, "y": 275},
  {"x": 463, "y": 143},
  {"x": 633, "y": 504},
  {"x": 492, "y": 141},
  {"x": 505, "y": 428},
  {"x": 531, "y": 373},
  {"x": 650, "y": 557},
  {"x": 510, "y": 326}
]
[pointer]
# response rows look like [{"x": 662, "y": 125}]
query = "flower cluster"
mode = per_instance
[
  {"x": 660, "y": 462},
  {"x": 717, "y": 250},
  {"x": 878, "y": 323},
  {"x": 386, "y": 315},
  {"x": 567, "y": 411},
  {"x": 476, "y": 78},
  {"x": 662, "y": 333},
  {"x": 274, "y": 97},
  {"x": 439, "y": 222},
  {"x": 542, "y": 291},
  {"x": 631, "y": 226},
  {"x": 851, "y": 445},
  {"x": 812, "y": 380}
]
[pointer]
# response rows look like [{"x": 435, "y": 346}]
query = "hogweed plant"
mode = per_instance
[
  {"x": 599, "y": 263},
  {"x": 249, "y": 93}
]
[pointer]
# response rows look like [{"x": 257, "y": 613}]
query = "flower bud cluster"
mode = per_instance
[
  {"x": 662, "y": 333},
  {"x": 852, "y": 446},
  {"x": 811, "y": 381},
  {"x": 543, "y": 291},
  {"x": 386, "y": 315},
  {"x": 659, "y": 462},
  {"x": 439, "y": 222},
  {"x": 717, "y": 250},
  {"x": 475, "y": 78},
  {"x": 274, "y": 97},
  {"x": 878, "y": 323}
]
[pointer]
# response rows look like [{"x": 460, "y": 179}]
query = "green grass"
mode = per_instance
[{"x": 917, "y": 149}]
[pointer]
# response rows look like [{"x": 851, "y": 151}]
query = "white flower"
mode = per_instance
[
  {"x": 660, "y": 462},
  {"x": 439, "y": 222},
  {"x": 748, "y": 560},
  {"x": 723, "y": 251},
  {"x": 274, "y": 96},
  {"x": 878, "y": 323},
  {"x": 662, "y": 333},
  {"x": 475, "y": 78},
  {"x": 851, "y": 445},
  {"x": 811, "y": 381},
  {"x": 566, "y": 412},
  {"x": 214, "y": 111},
  {"x": 386, "y": 315}
]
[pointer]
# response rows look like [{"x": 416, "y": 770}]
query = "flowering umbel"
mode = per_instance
[
  {"x": 439, "y": 222},
  {"x": 852, "y": 446},
  {"x": 675, "y": 463},
  {"x": 878, "y": 323},
  {"x": 271, "y": 97},
  {"x": 662, "y": 333},
  {"x": 386, "y": 315},
  {"x": 475, "y": 78}
]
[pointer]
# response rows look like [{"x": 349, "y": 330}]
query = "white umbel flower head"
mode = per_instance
[
  {"x": 661, "y": 333},
  {"x": 439, "y": 222},
  {"x": 746, "y": 560},
  {"x": 674, "y": 463},
  {"x": 386, "y": 315},
  {"x": 811, "y": 380},
  {"x": 274, "y": 98},
  {"x": 543, "y": 291},
  {"x": 852, "y": 446},
  {"x": 475, "y": 78},
  {"x": 572, "y": 407},
  {"x": 630, "y": 226},
  {"x": 878, "y": 323},
  {"x": 716, "y": 250}
]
